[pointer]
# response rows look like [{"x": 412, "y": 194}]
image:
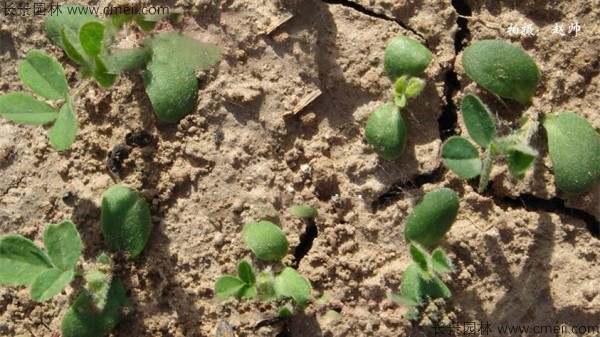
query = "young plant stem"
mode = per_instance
[{"x": 484, "y": 177}]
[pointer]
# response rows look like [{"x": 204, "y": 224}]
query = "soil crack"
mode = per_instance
[
  {"x": 306, "y": 241},
  {"x": 555, "y": 205},
  {"x": 14, "y": 185},
  {"x": 366, "y": 11}
]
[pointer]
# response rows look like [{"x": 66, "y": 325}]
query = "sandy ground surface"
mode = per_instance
[{"x": 526, "y": 254}]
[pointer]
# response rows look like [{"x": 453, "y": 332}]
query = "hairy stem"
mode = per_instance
[{"x": 484, "y": 177}]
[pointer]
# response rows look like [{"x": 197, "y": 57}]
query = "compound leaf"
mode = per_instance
[
  {"x": 43, "y": 75},
  {"x": 63, "y": 132},
  {"x": 228, "y": 285},
  {"x": 72, "y": 16},
  {"x": 520, "y": 158},
  {"x": 63, "y": 244},
  {"x": 246, "y": 273},
  {"x": 461, "y": 157},
  {"x": 24, "y": 108},
  {"x": 50, "y": 283},
  {"x": 71, "y": 45},
  {"x": 478, "y": 120},
  {"x": 90, "y": 37},
  {"x": 21, "y": 261}
]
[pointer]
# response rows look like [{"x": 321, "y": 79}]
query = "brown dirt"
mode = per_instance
[{"x": 524, "y": 251}]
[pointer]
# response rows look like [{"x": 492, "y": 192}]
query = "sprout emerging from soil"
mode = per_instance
[
  {"x": 268, "y": 242},
  {"x": 464, "y": 159}
]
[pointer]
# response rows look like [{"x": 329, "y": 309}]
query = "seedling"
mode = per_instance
[
  {"x": 404, "y": 59},
  {"x": 126, "y": 220},
  {"x": 502, "y": 68},
  {"x": 169, "y": 78},
  {"x": 303, "y": 211},
  {"x": 98, "y": 309},
  {"x": 464, "y": 159},
  {"x": 266, "y": 241},
  {"x": 429, "y": 221},
  {"x": 574, "y": 147}
]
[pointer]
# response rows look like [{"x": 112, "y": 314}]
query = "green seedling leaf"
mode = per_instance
[
  {"x": 440, "y": 262},
  {"x": 432, "y": 217},
  {"x": 414, "y": 88},
  {"x": 405, "y": 56},
  {"x": 63, "y": 244},
  {"x": 50, "y": 283},
  {"x": 43, "y": 75},
  {"x": 520, "y": 158},
  {"x": 170, "y": 79},
  {"x": 386, "y": 131},
  {"x": 245, "y": 272},
  {"x": 401, "y": 84},
  {"x": 265, "y": 287},
  {"x": 21, "y": 261},
  {"x": 84, "y": 320},
  {"x": 423, "y": 260},
  {"x": 400, "y": 100},
  {"x": 72, "y": 16},
  {"x": 98, "y": 285},
  {"x": 266, "y": 240},
  {"x": 303, "y": 211},
  {"x": 63, "y": 132},
  {"x": 286, "y": 311},
  {"x": 574, "y": 147},
  {"x": 90, "y": 37},
  {"x": 332, "y": 314},
  {"x": 102, "y": 74},
  {"x": 72, "y": 46},
  {"x": 462, "y": 157},
  {"x": 125, "y": 218},
  {"x": 479, "y": 121},
  {"x": 415, "y": 289},
  {"x": 502, "y": 68},
  {"x": 172, "y": 91},
  {"x": 23, "y": 108},
  {"x": 290, "y": 283},
  {"x": 247, "y": 291},
  {"x": 404, "y": 300},
  {"x": 228, "y": 285},
  {"x": 126, "y": 59}
]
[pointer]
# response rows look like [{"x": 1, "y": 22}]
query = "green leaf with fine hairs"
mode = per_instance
[
  {"x": 245, "y": 272},
  {"x": 423, "y": 260},
  {"x": 479, "y": 121},
  {"x": 503, "y": 68},
  {"x": 520, "y": 158},
  {"x": 126, "y": 59},
  {"x": 90, "y": 37},
  {"x": 24, "y": 108},
  {"x": 72, "y": 16},
  {"x": 43, "y": 75},
  {"x": 440, "y": 262},
  {"x": 461, "y": 157},
  {"x": 415, "y": 86},
  {"x": 414, "y": 288},
  {"x": 247, "y": 291},
  {"x": 50, "y": 283},
  {"x": 98, "y": 285},
  {"x": 266, "y": 240},
  {"x": 303, "y": 211},
  {"x": 21, "y": 261},
  {"x": 63, "y": 244},
  {"x": 83, "y": 319},
  {"x": 228, "y": 285},
  {"x": 286, "y": 311},
  {"x": 170, "y": 79},
  {"x": 125, "y": 220},
  {"x": 63, "y": 132},
  {"x": 290, "y": 283},
  {"x": 102, "y": 74},
  {"x": 71, "y": 45}
]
